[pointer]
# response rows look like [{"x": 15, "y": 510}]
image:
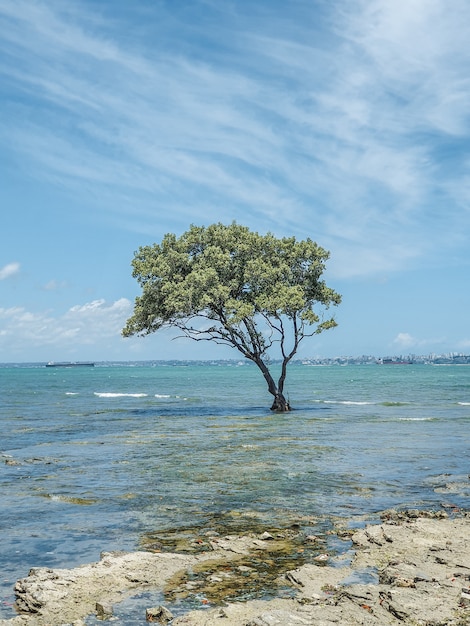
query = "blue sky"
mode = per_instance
[{"x": 346, "y": 122}]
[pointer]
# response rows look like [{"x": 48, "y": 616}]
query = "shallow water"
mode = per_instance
[{"x": 96, "y": 458}]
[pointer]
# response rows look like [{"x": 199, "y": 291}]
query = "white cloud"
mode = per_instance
[
  {"x": 332, "y": 134},
  {"x": 85, "y": 324},
  {"x": 9, "y": 270},
  {"x": 405, "y": 340},
  {"x": 419, "y": 49},
  {"x": 54, "y": 285}
]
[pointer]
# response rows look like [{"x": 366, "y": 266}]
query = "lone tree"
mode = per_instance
[{"x": 235, "y": 287}]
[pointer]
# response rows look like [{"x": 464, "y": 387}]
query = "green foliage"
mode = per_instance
[{"x": 233, "y": 286}]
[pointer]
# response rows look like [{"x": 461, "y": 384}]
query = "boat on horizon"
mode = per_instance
[
  {"x": 70, "y": 364},
  {"x": 396, "y": 362}
]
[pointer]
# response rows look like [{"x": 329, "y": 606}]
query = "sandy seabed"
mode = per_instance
[{"x": 417, "y": 566}]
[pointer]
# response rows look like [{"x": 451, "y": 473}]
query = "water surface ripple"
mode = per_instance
[{"x": 92, "y": 459}]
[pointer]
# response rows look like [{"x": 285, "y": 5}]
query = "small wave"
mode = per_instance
[
  {"x": 120, "y": 395},
  {"x": 416, "y": 419},
  {"x": 68, "y": 499},
  {"x": 392, "y": 403},
  {"x": 71, "y": 393},
  {"x": 352, "y": 402},
  {"x": 162, "y": 395},
  {"x": 464, "y": 403}
]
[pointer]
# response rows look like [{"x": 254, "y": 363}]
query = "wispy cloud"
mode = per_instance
[
  {"x": 406, "y": 341},
  {"x": 351, "y": 133},
  {"x": 54, "y": 285},
  {"x": 9, "y": 270},
  {"x": 82, "y": 325}
]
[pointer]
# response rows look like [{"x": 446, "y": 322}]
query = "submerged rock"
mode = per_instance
[
  {"x": 159, "y": 614},
  {"x": 424, "y": 569},
  {"x": 421, "y": 565}
]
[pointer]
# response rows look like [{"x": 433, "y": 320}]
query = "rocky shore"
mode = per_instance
[{"x": 412, "y": 569}]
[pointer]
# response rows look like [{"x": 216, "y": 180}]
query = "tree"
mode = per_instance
[{"x": 230, "y": 285}]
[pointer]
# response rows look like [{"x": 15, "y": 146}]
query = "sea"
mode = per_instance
[{"x": 103, "y": 458}]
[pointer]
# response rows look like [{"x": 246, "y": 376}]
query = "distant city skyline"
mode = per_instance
[
  {"x": 435, "y": 359},
  {"x": 344, "y": 122}
]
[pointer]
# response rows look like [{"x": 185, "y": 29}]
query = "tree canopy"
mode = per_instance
[{"x": 235, "y": 287}]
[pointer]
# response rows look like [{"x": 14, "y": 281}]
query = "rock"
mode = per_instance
[
  {"x": 413, "y": 588},
  {"x": 55, "y": 597},
  {"x": 465, "y": 597},
  {"x": 104, "y": 610},
  {"x": 245, "y": 569},
  {"x": 159, "y": 614},
  {"x": 421, "y": 561},
  {"x": 239, "y": 545},
  {"x": 394, "y": 609},
  {"x": 278, "y": 618},
  {"x": 266, "y": 536},
  {"x": 394, "y": 516}
]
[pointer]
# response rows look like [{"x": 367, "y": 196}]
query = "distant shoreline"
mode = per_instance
[{"x": 458, "y": 359}]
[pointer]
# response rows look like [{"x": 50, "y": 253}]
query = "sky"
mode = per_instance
[{"x": 347, "y": 122}]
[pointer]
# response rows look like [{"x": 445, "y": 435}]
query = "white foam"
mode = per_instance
[
  {"x": 415, "y": 419},
  {"x": 71, "y": 393},
  {"x": 162, "y": 395},
  {"x": 120, "y": 395},
  {"x": 464, "y": 403}
]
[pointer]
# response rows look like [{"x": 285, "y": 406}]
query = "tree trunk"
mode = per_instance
[{"x": 280, "y": 404}]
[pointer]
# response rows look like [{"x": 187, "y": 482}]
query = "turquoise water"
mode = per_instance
[{"x": 92, "y": 459}]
